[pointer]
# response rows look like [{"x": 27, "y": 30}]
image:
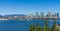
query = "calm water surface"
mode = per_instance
[{"x": 17, "y": 25}]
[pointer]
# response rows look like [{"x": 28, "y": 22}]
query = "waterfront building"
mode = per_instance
[
  {"x": 49, "y": 14},
  {"x": 57, "y": 14},
  {"x": 28, "y": 17},
  {"x": 36, "y": 15},
  {"x": 41, "y": 14},
  {"x": 15, "y": 16},
  {"x": 31, "y": 16},
  {"x": 53, "y": 15}
]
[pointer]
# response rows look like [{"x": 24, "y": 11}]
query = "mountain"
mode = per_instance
[{"x": 15, "y": 15}]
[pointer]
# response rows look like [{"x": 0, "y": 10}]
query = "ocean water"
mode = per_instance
[{"x": 17, "y": 25}]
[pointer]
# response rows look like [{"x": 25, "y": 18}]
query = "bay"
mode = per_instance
[{"x": 17, "y": 25}]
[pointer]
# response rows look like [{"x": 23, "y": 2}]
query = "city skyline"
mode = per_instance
[{"x": 28, "y": 6}]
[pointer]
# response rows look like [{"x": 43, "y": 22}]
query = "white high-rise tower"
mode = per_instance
[{"x": 49, "y": 13}]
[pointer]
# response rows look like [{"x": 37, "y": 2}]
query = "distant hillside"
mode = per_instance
[{"x": 15, "y": 15}]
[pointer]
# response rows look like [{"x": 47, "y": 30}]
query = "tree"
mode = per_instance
[
  {"x": 39, "y": 28},
  {"x": 54, "y": 26},
  {"x": 32, "y": 28},
  {"x": 46, "y": 28}
]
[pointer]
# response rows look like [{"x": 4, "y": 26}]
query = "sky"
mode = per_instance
[{"x": 28, "y": 6}]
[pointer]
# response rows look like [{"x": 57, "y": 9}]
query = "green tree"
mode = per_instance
[
  {"x": 54, "y": 26},
  {"x": 58, "y": 29},
  {"x": 32, "y": 28},
  {"x": 39, "y": 28},
  {"x": 46, "y": 28}
]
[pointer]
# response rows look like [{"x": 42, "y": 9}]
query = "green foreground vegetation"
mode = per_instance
[{"x": 37, "y": 27}]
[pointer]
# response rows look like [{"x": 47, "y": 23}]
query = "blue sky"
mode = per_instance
[{"x": 28, "y": 6}]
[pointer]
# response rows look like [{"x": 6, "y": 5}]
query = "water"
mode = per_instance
[{"x": 17, "y": 25}]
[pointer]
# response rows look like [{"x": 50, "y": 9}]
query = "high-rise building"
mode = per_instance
[
  {"x": 49, "y": 14},
  {"x": 57, "y": 14},
  {"x": 31, "y": 16},
  {"x": 42, "y": 14},
  {"x": 36, "y": 14}
]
